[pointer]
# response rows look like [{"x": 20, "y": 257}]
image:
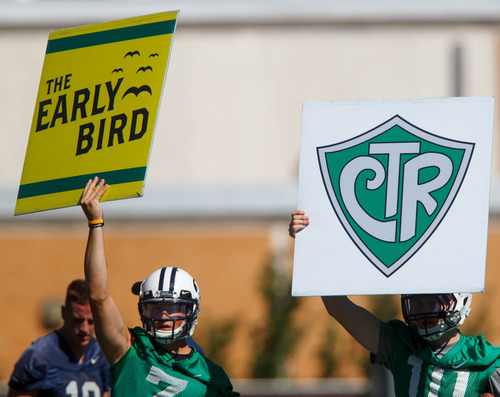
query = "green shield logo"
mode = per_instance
[{"x": 391, "y": 187}]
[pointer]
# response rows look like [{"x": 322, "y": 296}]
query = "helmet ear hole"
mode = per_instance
[{"x": 453, "y": 319}]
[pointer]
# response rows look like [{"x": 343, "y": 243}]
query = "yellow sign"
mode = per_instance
[{"x": 96, "y": 110}]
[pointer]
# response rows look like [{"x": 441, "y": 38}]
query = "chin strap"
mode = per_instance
[{"x": 435, "y": 336}]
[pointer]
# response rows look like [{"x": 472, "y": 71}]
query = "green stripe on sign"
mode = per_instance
[
  {"x": 79, "y": 182},
  {"x": 110, "y": 36}
]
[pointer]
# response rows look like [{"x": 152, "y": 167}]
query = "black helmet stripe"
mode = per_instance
[
  {"x": 161, "y": 281},
  {"x": 162, "y": 278},
  {"x": 172, "y": 279}
]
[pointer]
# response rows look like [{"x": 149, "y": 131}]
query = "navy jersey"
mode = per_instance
[{"x": 51, "y": 367}]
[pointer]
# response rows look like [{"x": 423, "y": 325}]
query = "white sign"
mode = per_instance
[{"x": 398, "y": 195}]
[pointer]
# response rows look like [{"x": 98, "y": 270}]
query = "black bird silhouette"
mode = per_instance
[
  {"x": 153, "y": 55},
  {"x": 137, "y": 90},
  {"x": 132, "y": 53},
  {"x": 117, "y": 70},
  {"x": 144, "y": 69}
]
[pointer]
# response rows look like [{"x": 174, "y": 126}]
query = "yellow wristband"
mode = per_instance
[{"x": 97, "y": 223}]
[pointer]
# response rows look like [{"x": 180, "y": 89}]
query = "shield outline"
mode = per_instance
[{"x": 468, "y": 149}]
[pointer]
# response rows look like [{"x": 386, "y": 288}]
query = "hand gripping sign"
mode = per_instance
[
  {"x": 398, "y": 194},
  {"x": 96, "y": 110}
]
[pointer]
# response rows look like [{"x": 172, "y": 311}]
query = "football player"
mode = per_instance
[
  {"x": 68, "y": 361},
  {"x": 427, "y": 354},
  {"x": 154, "y": 359}
]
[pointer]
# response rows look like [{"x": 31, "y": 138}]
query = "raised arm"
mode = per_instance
[
  {"x": 359, "y": 322},
  {"x": 111, "y": 332}
]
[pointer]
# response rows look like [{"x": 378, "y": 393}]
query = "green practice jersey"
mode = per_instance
[
  {"x": 464, "y": 371},
  {"x": 149, "y": 371}
]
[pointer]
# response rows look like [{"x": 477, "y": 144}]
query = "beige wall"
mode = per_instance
[{"x": 231, "y": 111}]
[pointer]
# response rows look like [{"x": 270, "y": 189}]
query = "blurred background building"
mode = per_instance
[{"x": 222, "y": 177}]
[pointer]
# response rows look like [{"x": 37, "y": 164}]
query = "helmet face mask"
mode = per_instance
[
  {"x": 169, "y": 305},
  {"x": 167, "y": 319},
  {"x": 432, "y": 315}
]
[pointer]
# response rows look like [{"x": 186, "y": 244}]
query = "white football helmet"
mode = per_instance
[
  {"x": 432, "y": 315},
  {"x": 169, "y": 303}
]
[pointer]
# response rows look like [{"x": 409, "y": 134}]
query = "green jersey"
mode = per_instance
[
  {"x": 463, "y": 371},
  {"x": 146, "y": 370}
]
